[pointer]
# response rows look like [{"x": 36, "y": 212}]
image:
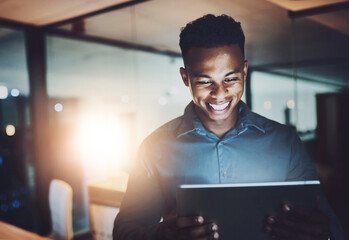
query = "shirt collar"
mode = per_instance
[
  {"x": 192, "y": 123},
  {"x": 248, "y": 118}
]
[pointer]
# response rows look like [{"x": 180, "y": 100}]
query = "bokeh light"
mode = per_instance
[
  {"x": 3, "y": 92},
  {"x": 58, "y": 107},
  {"x": 14, "y": 92},
  {"x": 290, "y": 104},
  {"x": 10, "y": 130}
]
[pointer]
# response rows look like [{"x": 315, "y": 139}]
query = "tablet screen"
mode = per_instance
[{"x": 241, "y": 209}]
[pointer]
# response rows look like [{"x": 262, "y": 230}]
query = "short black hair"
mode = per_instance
[{"x": 211, "y": 31}]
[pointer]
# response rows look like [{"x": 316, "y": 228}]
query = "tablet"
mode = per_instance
[{"x": 240, "y": 210}]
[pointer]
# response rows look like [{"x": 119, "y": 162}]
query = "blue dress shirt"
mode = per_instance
[{"x": 182, "y": 151}]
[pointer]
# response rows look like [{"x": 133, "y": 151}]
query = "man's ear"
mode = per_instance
[
  {"x": 184, "y": 76},
  {"x": 245, "y": 69}
]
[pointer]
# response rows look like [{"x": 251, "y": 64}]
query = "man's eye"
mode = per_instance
[
  {"x": 204, "y": 82},
  {"x": 231, "y": 79}
]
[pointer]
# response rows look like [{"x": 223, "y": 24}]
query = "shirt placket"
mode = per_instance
[
  {"x": 226, "y": 159},
  {"x": 222, "y": 165}
]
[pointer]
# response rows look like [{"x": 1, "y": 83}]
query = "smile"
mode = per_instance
[{"x": 219, "y": 107}]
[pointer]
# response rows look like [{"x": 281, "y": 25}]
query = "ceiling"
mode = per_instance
[
  {"x": 316, "y": 44},
  {"x": 294, "y": 5},
  {"x": 41, "y": 12}
]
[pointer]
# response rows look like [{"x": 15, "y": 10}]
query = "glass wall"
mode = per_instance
[
  {"x": 17, "y": 198},
  {"x": 101, "y": 84},
  {"x": 103, "y": 102},
  {"x": 287, "y": 101}
]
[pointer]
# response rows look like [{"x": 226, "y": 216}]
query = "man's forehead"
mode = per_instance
[{"x": 202, "y": 56}]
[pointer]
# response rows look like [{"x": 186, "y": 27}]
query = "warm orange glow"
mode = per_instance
[
  {"x": 101, "y": 142},
  {"x": 10, "y": 130}
]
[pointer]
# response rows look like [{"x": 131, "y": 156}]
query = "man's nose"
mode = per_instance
[{"x": 219, "y": 91}]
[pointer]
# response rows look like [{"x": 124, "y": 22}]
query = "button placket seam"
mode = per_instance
[{"x": 219, "y": 162}]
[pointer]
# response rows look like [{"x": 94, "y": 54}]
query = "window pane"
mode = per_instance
[
  {"x": 307, "y": 103},
  {"x": 270, "y": 94},
  {"x": 103, "y": 102},
  {"x": 17, "y": 187},
  {"x": 274, "y": 97}
]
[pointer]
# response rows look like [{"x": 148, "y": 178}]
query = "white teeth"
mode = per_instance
[{"x": 220, "y": 106}]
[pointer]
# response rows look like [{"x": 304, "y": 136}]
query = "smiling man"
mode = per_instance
[
  {"x": 217, "y": 140},
  {"x": 215, "y": 77}
]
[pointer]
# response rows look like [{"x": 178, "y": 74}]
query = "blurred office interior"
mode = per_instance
[{"x": 82, "y": 84}]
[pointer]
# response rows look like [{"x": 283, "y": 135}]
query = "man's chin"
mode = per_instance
[
  {"x": 214, "y": 116},
  {"x": 218, "y": 118}
]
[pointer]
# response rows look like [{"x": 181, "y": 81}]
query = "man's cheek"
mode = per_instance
[{"x": 238, "y": 90}]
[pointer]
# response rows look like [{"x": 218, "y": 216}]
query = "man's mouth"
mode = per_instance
[{"x": 219, "y": 107}]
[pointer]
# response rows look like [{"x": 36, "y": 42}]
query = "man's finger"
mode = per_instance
[
  {"x": 212, "y": 236},
  {"x": 314, "y": 215},
  {"x": 184, "y": 222},
  {"x": 205, "y": 231},
  {"x": 171, "y": 216},
  {"x": 297, "y": 211}
]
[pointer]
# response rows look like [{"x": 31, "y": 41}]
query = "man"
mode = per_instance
[{"x": 217, "y": 140}]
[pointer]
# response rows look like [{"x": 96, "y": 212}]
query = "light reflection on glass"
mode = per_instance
[
  {"x": 58, "y": 107},
  {"x": 3, "y": 92},
  {"x": 102, "y": 144},
  {"x": 10, "y": 130},
  {"x": 290, "y": 104},
  {"x": 14, "y": 92}
]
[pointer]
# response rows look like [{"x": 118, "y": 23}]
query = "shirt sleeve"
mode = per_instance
[
  {"x": 141, "y": 208},
  {"x": 302, "y": 168}
]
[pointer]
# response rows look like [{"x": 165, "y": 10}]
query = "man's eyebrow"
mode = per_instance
[
  {"x": 232, "y": 72},
  {"x": 198, "y": 75}
]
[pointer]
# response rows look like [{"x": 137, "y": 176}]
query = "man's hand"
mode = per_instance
[
  {"x": 180, "y": 228},
  {"x": 299, "y": 223}
]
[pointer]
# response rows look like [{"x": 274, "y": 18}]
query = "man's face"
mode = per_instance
[{"x": 216, "y": 79}]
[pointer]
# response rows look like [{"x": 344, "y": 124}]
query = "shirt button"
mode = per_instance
[{"x": 224, "y": 174}]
